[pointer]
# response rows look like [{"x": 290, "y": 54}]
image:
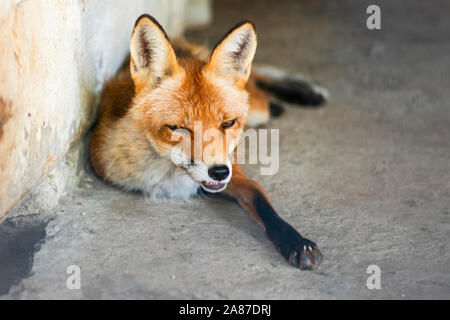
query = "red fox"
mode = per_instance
[{"x": 165, "y": 88}]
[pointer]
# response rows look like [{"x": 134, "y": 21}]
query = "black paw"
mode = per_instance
[
  {"x": 276, "y": 109},
  {"x": 298, "y": 251},
  {"x": 305, "y": 255}
]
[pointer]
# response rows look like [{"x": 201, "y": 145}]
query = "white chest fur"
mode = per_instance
[{"x": 162, "y": 179}]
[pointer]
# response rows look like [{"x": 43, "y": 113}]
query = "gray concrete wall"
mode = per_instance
[{"x": 55, "y": 56}]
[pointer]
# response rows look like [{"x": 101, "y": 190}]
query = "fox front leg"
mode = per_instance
[{"x": 297, "y": 250}]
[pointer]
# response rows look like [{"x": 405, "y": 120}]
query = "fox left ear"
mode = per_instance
[
  {"x": 152, "y": 55},
  {"x": 233, "y": 55}
]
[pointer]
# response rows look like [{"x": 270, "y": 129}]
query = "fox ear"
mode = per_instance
[
  {"x": 232, "y": 57},
  {"x": 152, "y": 55}
]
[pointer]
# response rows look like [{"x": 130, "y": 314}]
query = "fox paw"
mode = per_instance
[
  {"x": 297, "y": 250},
  {"x": 305, "y": 256}
]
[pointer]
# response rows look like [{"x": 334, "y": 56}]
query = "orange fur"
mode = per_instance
[
  {"x": 164, "y": 93},
  {"x": 135, "y": 108}
]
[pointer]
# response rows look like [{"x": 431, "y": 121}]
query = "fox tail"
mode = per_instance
[{"x": 290, "y": 88}]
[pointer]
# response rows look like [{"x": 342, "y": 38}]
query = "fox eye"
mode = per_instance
[
  {"x": 228, "y": 124},
  {"x": 173, "y": 127},
  {"x": 178, "y": 129}
]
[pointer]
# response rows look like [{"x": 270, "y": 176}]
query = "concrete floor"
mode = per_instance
[{"x": 367, "y": 177}]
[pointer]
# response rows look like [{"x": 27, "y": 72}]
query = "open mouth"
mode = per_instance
[{"x": 213, "y": 186}]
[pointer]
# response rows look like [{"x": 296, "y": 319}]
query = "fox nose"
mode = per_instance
[{"x": 219, "y": 172}]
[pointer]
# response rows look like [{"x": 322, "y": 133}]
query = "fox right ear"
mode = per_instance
[
  {"x": 152, "y": 55},
  {"x": 233, "y": 55}
]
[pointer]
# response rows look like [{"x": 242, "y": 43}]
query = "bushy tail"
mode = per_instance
[{"x": 290, "y": 88}]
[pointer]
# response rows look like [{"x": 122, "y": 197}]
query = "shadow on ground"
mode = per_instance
[{"x": 21, "y": 237}]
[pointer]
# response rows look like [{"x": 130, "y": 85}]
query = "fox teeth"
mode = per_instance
[
  {"x": 212, "y": 183},
  {"x": 213, "y": 186}
]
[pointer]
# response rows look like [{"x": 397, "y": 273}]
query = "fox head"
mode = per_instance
[{"x": 192, "y": 112}]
